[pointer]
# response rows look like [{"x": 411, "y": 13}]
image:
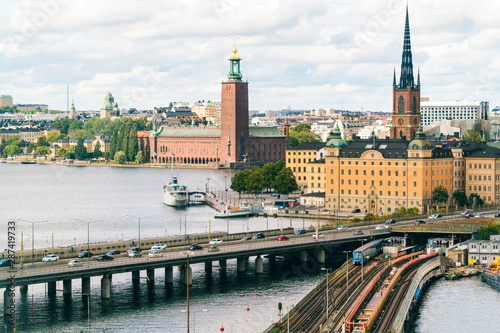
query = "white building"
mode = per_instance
[
  {"x": 264, "y": 121},
  {"x": 453, "y": 110},
  {"x": 381, "y": 131}
]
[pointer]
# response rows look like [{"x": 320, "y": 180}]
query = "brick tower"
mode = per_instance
[
  {"x": 234, "y": 114},
  {"x": 405, "y": 95}
]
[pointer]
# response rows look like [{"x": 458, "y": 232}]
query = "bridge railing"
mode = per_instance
[{"x": 421, "y": 274}]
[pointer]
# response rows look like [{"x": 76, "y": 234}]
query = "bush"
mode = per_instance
[
  {"x": 120, "y": 157},
  {"x": 356, "y": 220}
]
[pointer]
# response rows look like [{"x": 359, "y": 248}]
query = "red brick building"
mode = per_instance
[{"x": 234, "y": 141}]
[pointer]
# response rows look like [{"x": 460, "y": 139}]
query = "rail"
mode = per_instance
[{"x": 410, "y": 295}]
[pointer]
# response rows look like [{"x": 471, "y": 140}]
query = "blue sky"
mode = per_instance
[{"x": 302, "y": 54}]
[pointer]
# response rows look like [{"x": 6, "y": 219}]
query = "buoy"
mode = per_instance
[
  {"x": 255, "y": 294},
  {"x": 222, "y": 329},
  {"x": 248, "y": 309}
]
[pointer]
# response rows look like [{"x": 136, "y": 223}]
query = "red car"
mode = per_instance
[{"x": 282, "y": 238}]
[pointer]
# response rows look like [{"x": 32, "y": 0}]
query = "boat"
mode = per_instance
[
  {"x": 243, "y": 210},
  {"x": 28, "y": 162},
  {"x": 175, "y": 195},
  {"x": 491, "y": 276}
]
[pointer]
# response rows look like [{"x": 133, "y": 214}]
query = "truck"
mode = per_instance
[{"x": 281, "y": 204}]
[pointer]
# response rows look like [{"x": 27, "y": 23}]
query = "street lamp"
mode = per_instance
[
  {"x": 208, "y": 184},
  {"x": 328, "y": 270},
  {"x": 362, "y": 261},
  {"x": 32, "y": 237},
  {"x": 225, "y": 187},
  {"x": 88, "y": 235},
  {"x": 139, "y": 236},
  {"x": 347, "y": 271}
]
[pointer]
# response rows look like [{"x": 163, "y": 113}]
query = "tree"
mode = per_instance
[
  {"x": 239, "y": 181},
  {"x": 80, "y": 134},
  {"x": 31, "y": 147},
  {"x": 112, "y": 143},
  {"x": 475, "y": 199},
  {"x": 14, "y": 141},
  {"x": 460, "y": 198},
  {"x": 12, "y": 150},
  {"x": 270, "y": 171},
  {"x": 139, "y": 158},
  {"x": 61, "y": 152},
  {"x": 133, "y": 146},
  {"x": 285, "y": 182},
  {"x": 42, "y": 142},
  {"x": 42, "y": 150},
  {"x": 298, "y": 138},
  {"x": 97, "y": 150},
  {"x": 80, "y": 150},
  {"x": 486, "y": 231},
  {"x": 53, "y": 136},
  {"x": 302, "y": 127},
  {"x": 472, "y": 135},
  {"x": 120, "y": 157},
  {"x": 255, "y": 181},
  {"x": 440, "y": 194}
]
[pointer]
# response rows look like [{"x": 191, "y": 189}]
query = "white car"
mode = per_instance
[
  {"x": 50, "y": 257},
  {"x": 134, "y": 254},
  {"x": 319, "y": 235},
  {"x": 160, "y": 246},
  {"x": 74, "y": 263},
  {"x": 155, "y": 254},
  {"x": 215, "y": 241},
  {"x": 342, "y": 227}
]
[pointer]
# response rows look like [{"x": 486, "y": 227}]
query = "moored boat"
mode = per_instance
[
  {"x": 175, "y": 195},
  {"x": 243, "y": 210},
  {"x": 491, "y": 276}
]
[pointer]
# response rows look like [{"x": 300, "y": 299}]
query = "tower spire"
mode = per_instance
[
  {"x": 394, "y": 78},
  {"x": 406, "y": 78},
  {"x": 418, "y": 76}
]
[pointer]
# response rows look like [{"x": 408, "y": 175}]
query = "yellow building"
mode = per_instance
[
  {"x": 208, "y": 110},
  {"x": 483, "y": 174},
  {"x": 307, "y": 163}
]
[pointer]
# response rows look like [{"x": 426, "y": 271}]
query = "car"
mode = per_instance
[
  {"x": 497, "y": 215},
  {"x": 341, "y": 227},
  {"x": 159, "y": 246},
  {"x": 213, "y": 248},
  {"x": 104, "y": 257},
  {"x": 464, "y": 213},
  {"x": 133, "y": 254},
  {"x": 50, "y": 257},
  {"x": 155, "y": 254},
  {"x": 113, "y": 252},
  {"x": 299, "y": 232},
  {"x": 478, "y": 215},
  {"x": 195, "y": 247},
  {"x": 381, "y": 227},
  {"x": 469, "y": 215},
  {"x": 85, "y": 254},
  {"x": 276, "y": 195},
  {"x": 6, "y": 263},
  {"x": 134, "y": 249},
  {"x": 215, "y": 241},
  {"x": 259, "y": 236},
  {"x": 356, "y": 210},
  {"x": 358, "y": 232},
  {"x": 246, "y": 239},
  {"x": 435, "y": 216},
  {"x": 318, "y": 235},
  {"x": 418, "y": 222},
  {"x": 282, "y": 238},
  {"x": 390, "y": 221},
  {"x": 74, "y": 263}
]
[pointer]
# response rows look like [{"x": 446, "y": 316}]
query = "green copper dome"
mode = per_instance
[
  {"x": 109, "y": 103},
  {"x": 419, "y": 142},
  {"x": 335, "y": 140}
]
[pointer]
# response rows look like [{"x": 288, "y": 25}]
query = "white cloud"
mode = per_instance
[{"x": 310, "y": 54}]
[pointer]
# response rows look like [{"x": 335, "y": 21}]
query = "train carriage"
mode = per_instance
[{"x": 371, "y": 250}]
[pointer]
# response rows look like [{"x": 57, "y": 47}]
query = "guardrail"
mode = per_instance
[{"x": 414, "y": 286}]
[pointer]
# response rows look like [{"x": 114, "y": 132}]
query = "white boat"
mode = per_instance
[
  {"x": 243, "y": 210},
  {"x": 175, "y": 195}
]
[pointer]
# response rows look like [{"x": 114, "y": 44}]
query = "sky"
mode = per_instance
[{"x": 300, "y": 54}]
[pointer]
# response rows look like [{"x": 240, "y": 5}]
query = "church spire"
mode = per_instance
[
  {"x": 418, "y": 76},
  {"x": 394, "y": 78},
  {"x": 407, "y": 78}
]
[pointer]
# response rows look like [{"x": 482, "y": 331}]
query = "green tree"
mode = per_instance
[
  {"x": 139, "y": 158},
  {"x": 239, "y": 181},
  {"x": 285, "y": 182},
  {"x": 472, "y": 135},
  {"x": 14, "y": 141},
  {"x": 133, "y": 146},
  {"x": 112, "y": 143},
  {"x": 270, "y": 171},
  {"x": 53, "y": 136},
  {"x": 301, "y": 127},
  {"x": 440, "y": 194},
  {"x": 42, "y": 150},
  {"x": 298, "y": 138},
  {"x": 31, "y": 147},
  {"x": 80, "y": 134},
  {"x": 460, "y": 198},
  {"x": 97, "y": 150},
  {"x": 13, "y": 150},
  {"x": 485, "y": 231},
  {"x": 478, "y": 200},
  {"x": 61, "y": 152},
  {"x": 255, "y": 181},
  {"x": 42, "y": 142},
  {"x": 120, "y": 157},
  {"x": 80, "y": 150}
]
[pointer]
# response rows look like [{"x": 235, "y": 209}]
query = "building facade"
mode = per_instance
[
  {"x": 433, "y": 111},
  {"x": 109, "y": 108},
  {"x": 6, "y": 100}
]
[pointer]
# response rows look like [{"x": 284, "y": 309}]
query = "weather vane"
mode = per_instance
[{"x": 234, "y": 50}]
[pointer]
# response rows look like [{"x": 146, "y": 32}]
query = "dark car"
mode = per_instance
[
  {"x": 497, "y": 215},
  {"x": 419, "y": 222},
  {"x": 195, "y": 247},
  {"x": 259, "y": 236},
  {"x": 85, "y": 254},
  {"x": 245, "y": 239},
  {"x": 134, "y": 249},
  {"x": 357, "y": 210},
  {"x": 6, "y": 263},
  {"x": 469, "y": 215},
  {"x": 104, "y": 257},
  {"x": 113, "y": 252},
  {"x": 390, "y": 221},
  {"x": 300, "y": 232}
]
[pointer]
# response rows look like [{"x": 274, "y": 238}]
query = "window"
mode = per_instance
[
  {"x": 380, "y": 182},
  {"x": 404, "y": 172},
  {"x": 414, "y": 184},
  {"x": 389, "y": 183},
  {"x": 349, "y": 172},
  {"x": 396, "y": 183},
  {"x": 373, "y": 173},
  {"x": 342, "y": 171},
  {"x": 341, "y": 182},
  {"x": 414, "y": 174},
  {"x": 356, "y": 172},
  {"x": 364, "y": 172},
  {"x": 389, "y": 173},
  {"x": 380, "y": 173}
]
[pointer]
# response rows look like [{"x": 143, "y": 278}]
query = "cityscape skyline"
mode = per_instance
[{"x": 314, "y": 55}]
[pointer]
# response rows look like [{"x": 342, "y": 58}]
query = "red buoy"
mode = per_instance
[
  {"x": 222, "y": 329},
  {"x": 248, "y": 309},
  {"x": 255, "y": 294}
]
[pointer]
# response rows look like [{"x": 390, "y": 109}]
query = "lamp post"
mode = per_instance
[
  {"x": 225, "y": 187},
  {"x": 208, "y": 184},
  {"x": 187, "y": 289},
  {"x": 32, "y": 237},
  {"x": 88, "y": 235},
  {"x": 362, "y": 261},
  {"x": 139, "y": 235},
  {"x": 347, "y": 271},
  {"x": 328, "y": 270}
]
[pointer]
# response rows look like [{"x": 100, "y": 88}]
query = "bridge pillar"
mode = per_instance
[
  {"x": 303, "y": 256},
  {"x": 169, "y": 275},
  {"x": 85, "y": 286},
  {"x": 240, "y": 264},
  {"x": 208, "y": 266},
  {"x": 320, "y": 256},
  {"x": 189, "y": 275},
  {"x": 23, "y": 288},
  {"x": 136, "y": 276},
  {"x": 259, "y": 266},
  {"x": 67, "y": 287},
  {"x": 105, "y": 287},
  {"x": 150, "y": 275},
  {"x": 51, "y": 288},
  {"x": 222, "y": 264}
]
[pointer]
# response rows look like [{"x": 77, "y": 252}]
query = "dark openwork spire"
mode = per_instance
[
  {"x": 394, "y": 78},
  {"x": 406, "y": 78},
  {"x": 418, "y": 76}
]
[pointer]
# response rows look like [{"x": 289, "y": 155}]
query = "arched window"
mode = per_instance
[
  {"x": 401, "y": 105},
  {"x": 414, "y": 105}
]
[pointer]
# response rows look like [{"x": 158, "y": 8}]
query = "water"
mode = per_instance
[
  {"x": 68, "y": 197},
  {"x": 465, "y": 305}
]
